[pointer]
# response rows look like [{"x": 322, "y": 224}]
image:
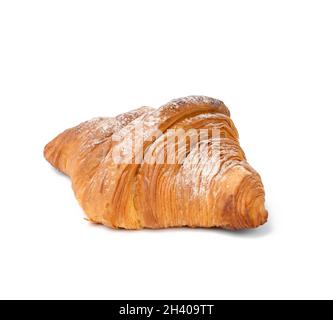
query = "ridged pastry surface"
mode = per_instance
[{"x": 208, "y": 182}]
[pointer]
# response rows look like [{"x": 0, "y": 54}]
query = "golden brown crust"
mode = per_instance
[{"x": 201, "y": 191}]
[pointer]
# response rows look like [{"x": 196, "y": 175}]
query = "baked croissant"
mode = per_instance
[{"x": 207, "y": 183}]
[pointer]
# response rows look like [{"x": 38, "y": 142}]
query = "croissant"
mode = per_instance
[{"x": 177, "y": 166}]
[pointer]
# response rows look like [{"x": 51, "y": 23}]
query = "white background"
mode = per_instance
[{"x": 63, "y": 62}]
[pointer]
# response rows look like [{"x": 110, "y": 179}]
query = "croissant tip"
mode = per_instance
[
  {"x": 47, "y": 151},
  {"x": 258, "y": 213}
]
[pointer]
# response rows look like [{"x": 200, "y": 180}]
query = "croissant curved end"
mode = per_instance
[
  {"x": 257, "y": 213},
  {"x": 243, "y": 198}
]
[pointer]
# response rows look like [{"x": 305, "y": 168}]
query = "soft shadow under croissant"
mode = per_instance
[{"x": 215, "y": 188}]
